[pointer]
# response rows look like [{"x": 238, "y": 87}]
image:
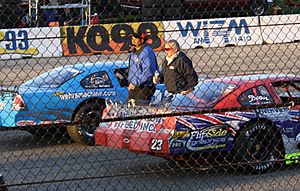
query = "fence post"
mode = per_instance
[{"x": 2, "y": 184}]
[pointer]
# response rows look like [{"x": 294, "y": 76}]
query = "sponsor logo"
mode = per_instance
[
  {"x": 3, "y": 105},
  {"x": 210, "y": 141},
  {"x": 87, "y": 94},
  {"x": 255, "y": 128},
  {"x": 181, "y": 134},
  {"x": 16, "y": 42},
  {"x": 253, "y": 98},
  {"x": 208, "y": 147},
  {"x": 280, "y": 114},
  {"x": 58, "y": 93},
  {"x": 26, "y": 122},
  {"x": 208, "y": 134},
  {"x": 264, "y": 166},
  {"x": 108, "y": 38},
  {"x": 46, "y": 122},
  {"x": 176, "y": 144},
  {"x": 213, "y": 138},
  {"x": 138, "y": 125},
  {"x": 53, "y": 122},
  {"x": 292, "y": 158},
  {"x": 212, "y": 28},
  {"x": 97, "y": 80}
]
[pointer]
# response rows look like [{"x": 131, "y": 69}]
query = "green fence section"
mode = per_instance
[{"x": 286, "y": 7}]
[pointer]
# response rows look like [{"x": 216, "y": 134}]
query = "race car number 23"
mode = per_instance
[{"x": 156, "y": 144}]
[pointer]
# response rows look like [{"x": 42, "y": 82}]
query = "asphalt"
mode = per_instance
[{"x": 41, "y": 163}]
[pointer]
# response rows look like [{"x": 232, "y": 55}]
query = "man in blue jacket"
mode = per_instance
[{"x": 142, "y": 67}]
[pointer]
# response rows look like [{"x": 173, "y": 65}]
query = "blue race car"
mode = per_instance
[{"x": 64, "y": 94}]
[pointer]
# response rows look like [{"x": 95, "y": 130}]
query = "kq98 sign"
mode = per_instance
[
  {"x": 30, "y": 42},
  {"x": 214, "y": 32},
  {"x": 108, "y": 38}
]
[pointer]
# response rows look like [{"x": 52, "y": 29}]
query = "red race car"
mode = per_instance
[{"x": 259, "y": 136}]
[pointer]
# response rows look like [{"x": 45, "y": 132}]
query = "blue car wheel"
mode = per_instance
[{"x": 88, "y": 117}]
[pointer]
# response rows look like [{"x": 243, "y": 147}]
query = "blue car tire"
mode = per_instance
[{"x": 88, "y": 117}]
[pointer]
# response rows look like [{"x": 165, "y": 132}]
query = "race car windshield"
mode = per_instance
[
  {"x": 205, "y": 94},
  {"x": 53, "y": 78}
]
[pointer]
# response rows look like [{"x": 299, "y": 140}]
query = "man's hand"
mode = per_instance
[
  {"x": 131, "y": 86},
  {"x": 155, "y": 79},
  {"x": 184, "y": 92}
]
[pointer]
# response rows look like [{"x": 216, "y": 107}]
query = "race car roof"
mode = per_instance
[
  {"x": 239, "y": 79},
  {"x": 100, "y": 65}
]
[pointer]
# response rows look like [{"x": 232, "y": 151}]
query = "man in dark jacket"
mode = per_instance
[{"x": 177, "y": 72}]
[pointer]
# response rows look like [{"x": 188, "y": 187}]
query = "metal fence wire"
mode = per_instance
[{"x": 149, "y": 95}]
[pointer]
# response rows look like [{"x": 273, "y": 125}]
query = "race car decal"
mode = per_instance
[
  {"x": 2, "y": 105},
  {"x": 156, "y": 144},
  {"x": 177, "y": 144},
  {"x": 277, "y": 114},
  {"x": 254, "y": 99},
  {"x": 292, "y": 158},
  {"x": 86, "y": 94},
  {"x": 25, "y": 122},
  {"x": 234, "y": 116},
  {"x": 141, "y": 126},
  {"x": 207, "y": 139},
  {"x": 215, "y": 137},
  {"x": 53, "y": 122},
  {"x": 198, "y": 121},
  {"x": 209, "y": 118},
  {"x": 185, "y": 123},
  {"x": 294, "y": 116}
]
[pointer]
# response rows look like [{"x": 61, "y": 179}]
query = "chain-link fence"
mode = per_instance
[{"x": 149, "y": 95}]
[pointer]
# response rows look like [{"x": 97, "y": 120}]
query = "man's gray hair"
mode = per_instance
[{"x": 174, "y": 44}]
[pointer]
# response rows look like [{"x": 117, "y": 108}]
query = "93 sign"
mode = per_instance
[
  {"x": 16, "y": 42},
  {"x": 108, "y": 38}
]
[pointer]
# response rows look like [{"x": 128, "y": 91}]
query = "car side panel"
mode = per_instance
[
  {"x": 7, "y": 116},
  {"x": 55, "y": 105}
]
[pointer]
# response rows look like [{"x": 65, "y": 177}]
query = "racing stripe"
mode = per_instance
[{"x": 185, "y": 122}]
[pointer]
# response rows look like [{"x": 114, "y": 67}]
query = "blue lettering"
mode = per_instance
[
  {"x": 205, "y": 33},
  {"x": 23, "y": 45},
  {"x": 220, "y": 30},
  {"x": 147, "y": 127},
  {"x": 238, "y": 29},
  {"x": 198, "y": 40},
  {"x": 10, "y": 36},
  {"x": 189, "y": 27}
]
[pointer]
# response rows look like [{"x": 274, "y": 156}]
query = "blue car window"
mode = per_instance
[
  {"x": 53, "y": 78},
  {"x": 96, "y": 80},
  {"x": 206, "y": 93}
]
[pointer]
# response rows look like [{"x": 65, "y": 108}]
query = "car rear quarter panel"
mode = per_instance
[{"x": 7, "y": 116}]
